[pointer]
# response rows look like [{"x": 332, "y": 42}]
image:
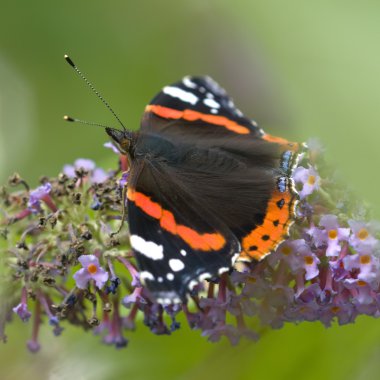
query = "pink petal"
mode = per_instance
[
  {"x": 330, "y": 222},
  {"x": 69, "y": 170},
  {"x": 100, "y": 277},
  {"x": 301, "y": 174},
  {"x": 84, "y": 163},
  {"x": 86, "y": 260},
  {"x": 82, "y": 277}
]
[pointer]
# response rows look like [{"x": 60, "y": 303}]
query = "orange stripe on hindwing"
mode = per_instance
[
  {"x": 286, "y": 144},
  {"x": 281, "y": 209},
  {"x": 190, "y": 115},
  {"x": 199, "y": 241},
  {"x": 274, "y": 229}
]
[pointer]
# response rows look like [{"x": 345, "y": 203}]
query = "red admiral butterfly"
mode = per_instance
[{"x": 207, "y": 187}]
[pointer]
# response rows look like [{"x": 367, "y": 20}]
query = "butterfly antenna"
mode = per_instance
[
  {"x": 75, "y": 120},
  {"x": 97, "y": 93}
]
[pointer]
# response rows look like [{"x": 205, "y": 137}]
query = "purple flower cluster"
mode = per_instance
[
  {"x": 86, "y": 168},
  {"x": 69, "y": 268}
]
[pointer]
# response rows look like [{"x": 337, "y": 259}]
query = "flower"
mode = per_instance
[
  {"x": 79, "y": 164},
  {"x": 289, "y": 252},
  {"x": 342, "y": 313},
  {"x": 22, "y": 311},
  {"x": 362, "y": 238},
  {"x": 327, "y": 270},
  {"x": 297, "y": 255},
  {"x": 22, "y": 308},
  {"x": 135, "y": 297},
  {"x": 124, "y": 179},
  {"x": 99, "y": 176},
  {"x": 367, "y": 265},
  {"x": 86, "y": 167},
  {"x": 309, "y": 179},
  {"x": 91, "y": 271},
  {"x": 123, "y": 159},
  {"x": 331, "y": 235},
  {"x": 33, "y": 346},
  {"x": 41, "y": 193},
  {"x": 112, "y": 146},
  {"x": 229, "y": 331},
  {"x": 310, "y": 264},
  {"x": 114, "y": 328},
  {"x": 360, "y": 290}
]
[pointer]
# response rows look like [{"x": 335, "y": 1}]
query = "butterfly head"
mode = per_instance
[{"x": 121, "y": 138}]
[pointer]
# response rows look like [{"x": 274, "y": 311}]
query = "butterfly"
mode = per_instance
[{"x": 207, "y": 188}]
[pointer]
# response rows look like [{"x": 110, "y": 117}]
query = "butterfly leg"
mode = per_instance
[{"x": 124, "y": 210}]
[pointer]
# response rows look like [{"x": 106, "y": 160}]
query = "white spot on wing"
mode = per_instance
[
  {"x": 145, "y": 275},
  {"x": 147, "y": 248},
  {"x": 183, "y": 95},
  {"x": 192, "y": 284},
  {"x": 168, "y": 301},
  {"x": 223, "y": 270},
  {"x": 183, "y": 252},
  {"x": 189, "y": 83},
  {"x": 211, "y": 103},
  {"x": 176, "y": 265},
  {"x": 204, "y": 276},
  {"x": 170, "y": 276}
]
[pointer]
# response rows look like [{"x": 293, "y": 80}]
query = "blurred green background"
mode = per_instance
[{"x": 301, "y": 68}]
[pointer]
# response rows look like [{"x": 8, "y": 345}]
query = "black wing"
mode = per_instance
[
  {"x": 176, "y": 240},
  {"x": 215, "y": 173}
]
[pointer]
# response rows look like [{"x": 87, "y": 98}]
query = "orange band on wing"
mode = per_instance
[
  {"x": 266, "y": 237},
  {"x": 190, "y": 115},
  {"x": 288, "y": 145},
  {"x": 151, "y": 208},
  {"x": 196, "y": 240}
]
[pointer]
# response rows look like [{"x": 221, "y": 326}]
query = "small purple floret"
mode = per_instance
[
  {"x": 96, "y": 175},
  {"x": 37, "y": 195},
  {"x": 99, "y": 176},
  {"x": 33, "y": 346},
  {"x": 112, "y": 146},
  {"x": 91, "y": 271},
  {"x": 362, "y": 238},
  {"x": 80, "y": 163},
  {"x": 309, "y": 179},
  {"x": 135, "y": 297},
  {"x": 331, "y": 235},
  {"x": 22, "y": 311},
  {"x": 124, "y": 179}
]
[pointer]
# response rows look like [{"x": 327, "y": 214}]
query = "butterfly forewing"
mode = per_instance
[{"x": 201, "y": 101}]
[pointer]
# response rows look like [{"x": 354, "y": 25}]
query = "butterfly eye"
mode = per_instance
[
  {"x": 124, "y": 146},
  {"x": 121, "y": 138}
]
